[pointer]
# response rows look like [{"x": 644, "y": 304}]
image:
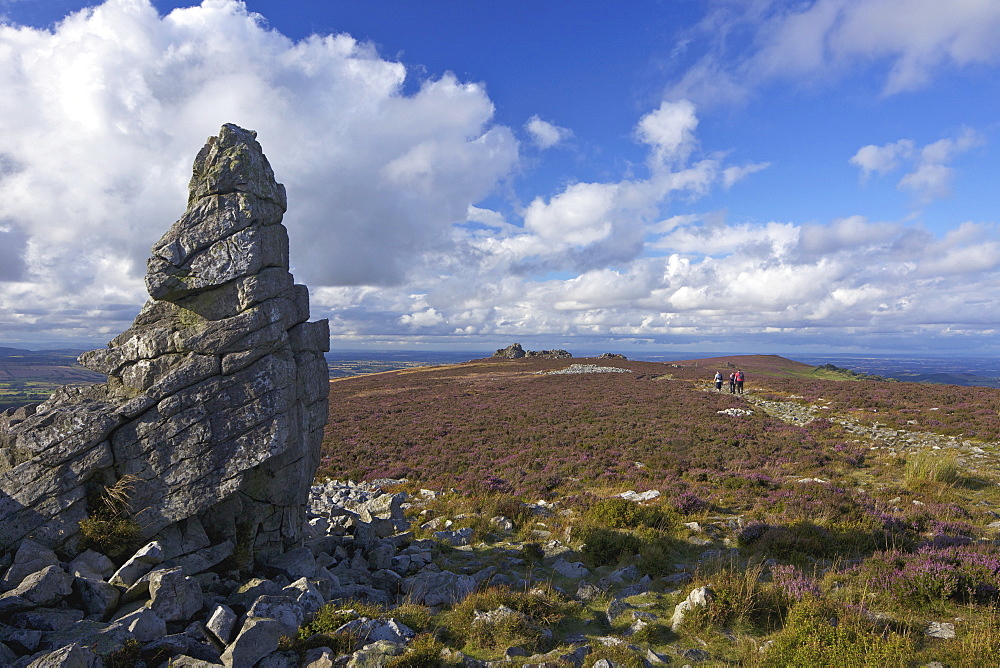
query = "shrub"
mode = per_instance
[
  {"x": 751, "y": 533},
  {"x": 795, "y": 583},
  {"x": 741, "y": 601},
  {"x": 417, "y": 617},
  {"x": 931, "y": 466},
  {"x": 529, "y": 613},
  {"x": 424, "y": 651},
  {"x": 820, "y": 633},
  {"x": 532, "y": 553},
  {"x": 795, "y": 541},
  {"x": 110, "y": 527},
  {"x": 114, "y": 536},
  {"x": 657, "y": 556},
  {"x": 933, "y": 575},
  {"x": 602, "y": 547},
  {"x": 623, "y": 514},
  {"x": 689, "y": 503}
]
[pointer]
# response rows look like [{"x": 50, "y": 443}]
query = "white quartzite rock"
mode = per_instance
[{"x": 699, "y": 597}]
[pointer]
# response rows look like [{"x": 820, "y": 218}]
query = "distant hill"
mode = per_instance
[
  {"x": 962, "y": 379},
  {"x": 30, "y": 376}
]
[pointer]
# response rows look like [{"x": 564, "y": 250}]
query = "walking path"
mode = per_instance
[{"x": 971, "y": 454}]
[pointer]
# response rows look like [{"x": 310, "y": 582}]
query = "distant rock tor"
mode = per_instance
[
  {"x": 216, "y": 396},
  {"x": 514, "y": 351}
]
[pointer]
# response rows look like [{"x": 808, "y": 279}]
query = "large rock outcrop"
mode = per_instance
[
  {"x": 216, "y": 396},
  {"x": 515, "y": 352}
]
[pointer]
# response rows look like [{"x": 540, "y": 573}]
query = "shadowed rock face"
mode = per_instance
[{"x": 216, "y": 395}]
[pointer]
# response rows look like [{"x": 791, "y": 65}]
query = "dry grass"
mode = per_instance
[{"x": 933, "y": 466}]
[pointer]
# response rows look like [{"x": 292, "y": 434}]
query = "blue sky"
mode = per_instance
[{"x": 759, "y": 176}]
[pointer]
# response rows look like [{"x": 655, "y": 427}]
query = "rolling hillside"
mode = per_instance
[{"x": 833, "y": 522}]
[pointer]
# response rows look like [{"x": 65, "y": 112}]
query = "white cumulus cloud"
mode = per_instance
[
  {"x": 929, "y": 175},
  {"x": 101, "y": 117},
  {"x": 669, "y": 129},
  {"x": 544, "y": 134}
]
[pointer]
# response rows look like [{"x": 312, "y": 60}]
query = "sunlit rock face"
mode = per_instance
[{"x": 216, "y": 395}]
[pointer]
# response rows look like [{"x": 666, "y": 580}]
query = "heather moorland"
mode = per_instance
[{"x": 820, "y": 518}]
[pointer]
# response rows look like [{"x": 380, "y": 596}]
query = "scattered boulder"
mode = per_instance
[
  {"x": 699, "y": 597},
  {"x": 549, "y": 354},
  {"x": 570, "y": 569},
  {"x": 221, "y": 623},
  {"x": 70, "y": 656},
  {"x": 443, "y": 588},
  {"x": 174, "y": 596},
  {"x": 45, "y": 588},
  {"x": 138, "y": 565},
  {"x": 258, "y": 638},
  {"x": 945, "y": 630},
  {"x": 29, "y": 558}
]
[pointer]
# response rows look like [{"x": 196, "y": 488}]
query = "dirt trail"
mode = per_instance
[{"x": 973, "y": 455}]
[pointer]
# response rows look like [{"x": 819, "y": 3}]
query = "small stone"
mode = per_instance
[
  {"x": 944, "y": 630},
  {"x": 221, "y": 623}
]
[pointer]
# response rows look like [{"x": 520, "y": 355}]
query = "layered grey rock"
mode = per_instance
[{"x": 216, "y": 395}]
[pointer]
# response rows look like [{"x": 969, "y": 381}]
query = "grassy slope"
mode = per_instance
[{"x": 897, "y": 528}]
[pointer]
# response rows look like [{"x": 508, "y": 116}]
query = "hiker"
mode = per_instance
[
  {"x": 718, "y": 381},
  {"x": 732, "y": 383},
  {"x": 739, "y": 381}
]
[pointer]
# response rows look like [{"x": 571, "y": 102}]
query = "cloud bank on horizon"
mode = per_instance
[{"x": 407, "y": 215}]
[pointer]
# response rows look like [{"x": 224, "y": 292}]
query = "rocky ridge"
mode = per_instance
[{"x": 514, "y": 352}]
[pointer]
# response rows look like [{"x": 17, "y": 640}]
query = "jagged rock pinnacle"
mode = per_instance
[{"x": 216, "y": 395}]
